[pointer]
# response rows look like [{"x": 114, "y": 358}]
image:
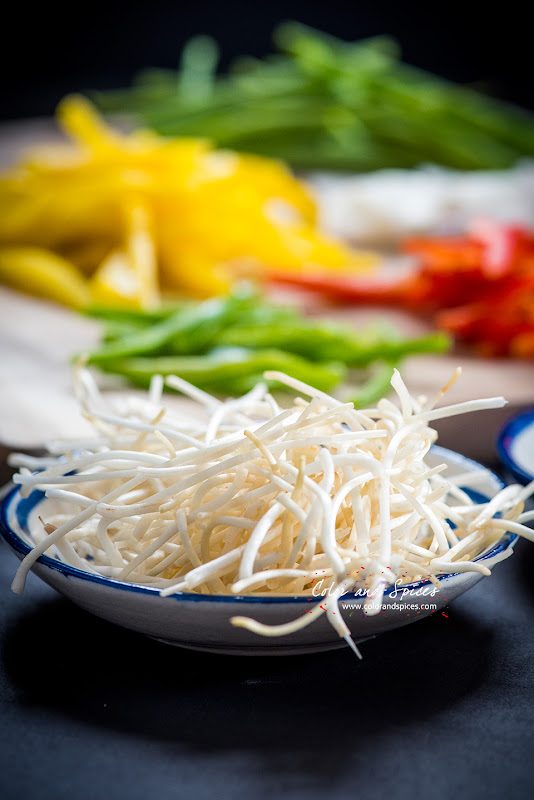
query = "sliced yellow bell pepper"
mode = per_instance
[
  {"x": 129, "y": 278},
  {"x": 116, "y": 282},
  {"x": 141, "y": 213},
  {"x": 43, "y": 273}
]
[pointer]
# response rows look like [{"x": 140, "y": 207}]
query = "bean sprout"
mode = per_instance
[{"x": 246, "y": 498}]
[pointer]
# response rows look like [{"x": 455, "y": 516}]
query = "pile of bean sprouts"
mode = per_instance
[{"x": 248, "y": 498}]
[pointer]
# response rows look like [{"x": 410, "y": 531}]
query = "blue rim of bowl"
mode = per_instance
[
  {"x": 511, "y": 429},
  {"x": 20, "y": 546}
]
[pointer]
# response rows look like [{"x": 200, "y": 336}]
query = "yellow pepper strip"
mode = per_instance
[
  {"x": 129, "y": 277},
  {"x": 139, "y": 213},
  {"x": 43, "y": 273},
  {"x": 82, "y": 123},
  {"x": 142, "y": 253},
  {"x": 116, "y": 283}
]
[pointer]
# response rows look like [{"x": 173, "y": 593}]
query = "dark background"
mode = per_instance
[{"x": 50, "y": 49}]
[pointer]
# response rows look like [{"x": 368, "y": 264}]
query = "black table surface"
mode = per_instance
[{"x": 443, "y": 708}]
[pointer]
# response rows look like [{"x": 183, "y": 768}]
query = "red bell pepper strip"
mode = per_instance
[
  {"x": 503, "y": 320},
  {"x": 484, "y": 280},
  {"x": 445, "y": 254},
  {"x": 407, "y": 291},
  {"x": 503, "y": 246}
]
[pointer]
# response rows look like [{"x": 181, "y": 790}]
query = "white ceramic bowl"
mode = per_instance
[{"x": 202, "y": 622}]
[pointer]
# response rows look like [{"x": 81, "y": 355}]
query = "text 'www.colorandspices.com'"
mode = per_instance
[{"x": 395, "y": 606}]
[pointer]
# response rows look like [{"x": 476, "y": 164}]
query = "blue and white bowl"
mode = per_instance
[
  {"x": 202, "y": 622},
  {"x": 516, "y": 446}
]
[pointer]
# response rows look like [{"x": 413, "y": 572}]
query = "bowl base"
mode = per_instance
[{"x": 259, "y": 650}]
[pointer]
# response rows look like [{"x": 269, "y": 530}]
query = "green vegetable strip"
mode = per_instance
[
  {"x": 134, "y": 315},
  {"x": 224, "y": 345},
  {"x": 377, "y": 386},
  {"x": 195, "y": 327},
  {"x": 222, "y": 370},
  {"x": 324, "y": 342},
  {"x": 326, "y": 104},
  {"x": 199, "y": 62}
]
